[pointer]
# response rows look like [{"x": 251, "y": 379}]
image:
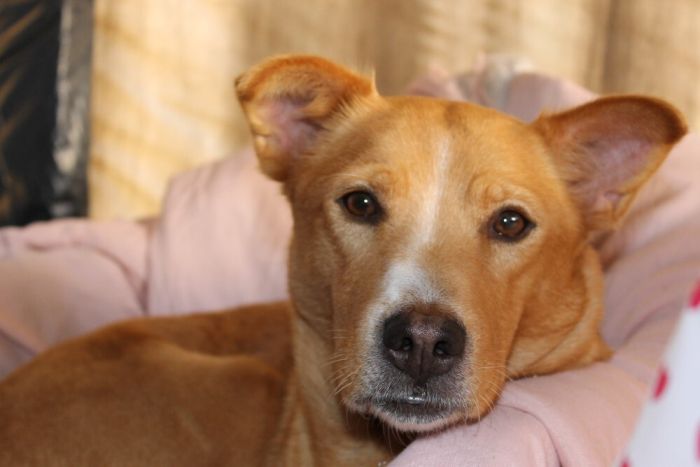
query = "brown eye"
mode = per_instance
[
  {"x": 510, "y": 225},
  {"x": 361, "y": 205}
]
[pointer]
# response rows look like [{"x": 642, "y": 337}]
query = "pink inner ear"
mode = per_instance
[
  {"x": 292, "y": 133},
  {"x": 606, "y": 149},
  {"x": 614, "y": 162}
]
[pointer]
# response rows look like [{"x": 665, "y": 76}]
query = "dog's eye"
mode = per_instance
[
  {"x": 509, "y": 225},
  {"x": 361, "y": 205}
]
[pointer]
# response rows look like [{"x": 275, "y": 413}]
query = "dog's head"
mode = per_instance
[{"x": 440, "y": 248}]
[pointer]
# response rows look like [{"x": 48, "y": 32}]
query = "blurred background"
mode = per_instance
[{"x": 102, "y": 101}]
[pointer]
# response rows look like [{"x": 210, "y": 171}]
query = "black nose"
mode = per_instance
[{"x": 423, "y": 345}]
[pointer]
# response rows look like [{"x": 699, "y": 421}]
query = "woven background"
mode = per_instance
[{"x": 163, "y": 69}]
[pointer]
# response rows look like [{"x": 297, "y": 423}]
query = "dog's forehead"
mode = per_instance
[{"x": 410, "y": 134}]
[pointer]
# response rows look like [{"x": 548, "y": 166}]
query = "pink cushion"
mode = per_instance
[
  {"x": 61, "y": 279},
  {"x": 221, "y": 240}
]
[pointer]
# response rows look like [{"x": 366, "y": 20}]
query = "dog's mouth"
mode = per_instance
[
  {"x": 415, "y": 412},
  {"x": 413, "y": 409}
]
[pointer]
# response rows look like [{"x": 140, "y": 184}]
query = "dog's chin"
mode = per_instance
[{"x": 413, "y": 415}]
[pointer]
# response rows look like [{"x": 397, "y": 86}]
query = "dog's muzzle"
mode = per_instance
[{"x": 417, "y": 377}]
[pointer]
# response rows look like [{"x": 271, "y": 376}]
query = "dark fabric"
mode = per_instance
[
  {"x": 29, "y": 48},
  {"x": 72, "y": 134}
]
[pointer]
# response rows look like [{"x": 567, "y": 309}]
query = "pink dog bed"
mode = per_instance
[{"x": 221, "y": 241}]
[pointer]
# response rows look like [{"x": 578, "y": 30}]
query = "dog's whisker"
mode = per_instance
[
  {"x": 346, "y": 381},
  {"x": 340, "y": 358},
  {"x": 343, "y": 383}
]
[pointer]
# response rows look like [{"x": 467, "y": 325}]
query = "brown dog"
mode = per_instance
[{"x": 439, "y": 248}]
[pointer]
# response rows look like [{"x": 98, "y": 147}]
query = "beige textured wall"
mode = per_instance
[{"x": 163, "y": 69}]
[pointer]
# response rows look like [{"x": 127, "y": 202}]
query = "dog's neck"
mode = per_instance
[{"x": 317, "y": 429}]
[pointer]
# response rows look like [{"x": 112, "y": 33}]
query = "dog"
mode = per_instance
[{"x": 439, "y": 249}]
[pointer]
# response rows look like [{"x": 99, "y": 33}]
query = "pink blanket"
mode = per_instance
[{"x": 221, "y": 241}]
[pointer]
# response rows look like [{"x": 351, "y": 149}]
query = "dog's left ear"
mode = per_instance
[
  {"x": 607, "y": 149},
  {"x": 289, "y": 100}
]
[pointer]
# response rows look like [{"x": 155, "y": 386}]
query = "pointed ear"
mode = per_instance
[
  {"x": 289, "y": 100},
  {"x": 607, "y": 149}
]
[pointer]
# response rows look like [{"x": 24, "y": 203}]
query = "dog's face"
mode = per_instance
[{"x": 439, "y": 247}]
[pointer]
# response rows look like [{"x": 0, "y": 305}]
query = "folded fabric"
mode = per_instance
[
  {"x": 221, "y": 241},
  {"x": 64, "y": 278}
]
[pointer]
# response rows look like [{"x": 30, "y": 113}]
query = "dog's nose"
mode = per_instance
[{"x": 421, "y": 345}]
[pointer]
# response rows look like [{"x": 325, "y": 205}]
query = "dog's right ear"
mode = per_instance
[
  {"x": 289, "y": 100},
  {"x": 607, "y": 149}
]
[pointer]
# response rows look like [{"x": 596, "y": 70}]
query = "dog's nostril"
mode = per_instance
[
  {"x": 396, "y": 336},
  {"x": 441, "y": 349}
]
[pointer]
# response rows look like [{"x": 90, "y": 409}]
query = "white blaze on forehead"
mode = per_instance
[
  {"x": 430, "y": 198},
  {"x": 406, "y": 280}
]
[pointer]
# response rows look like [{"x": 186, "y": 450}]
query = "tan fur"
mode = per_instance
[{"x": 231, "y": 389}]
